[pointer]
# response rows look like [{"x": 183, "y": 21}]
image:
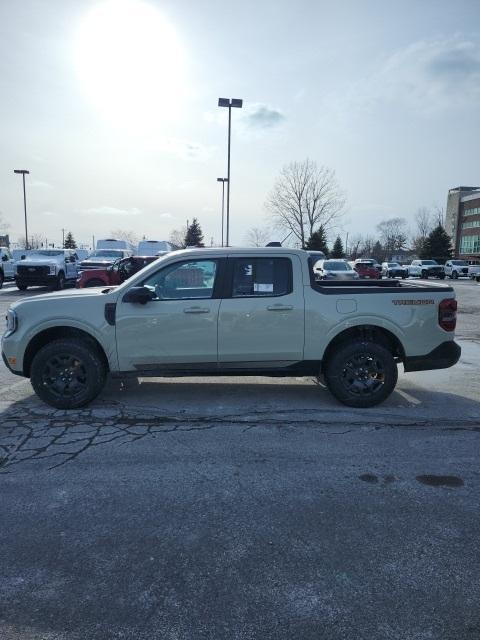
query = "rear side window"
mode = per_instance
[{"x": 261, "y": 277}]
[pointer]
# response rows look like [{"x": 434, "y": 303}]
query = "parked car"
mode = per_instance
[
  {"x": 47, "y": 267},
  {"x": 474, "y": 272},
  {"x": 426, "y": 269},
  {"x": 102, "y": 258},
  {"x": 7, "y": 268},
  {"x": 394, "y": 270},
  {"x": 232, "y": 312},
  {"x": 367, "y": 269},
  {"x": 115, "y": 274},
  {"x": 334, "y": 270},
  {"x": 456, "y": 269},
  {"x": 112, "y": 243}
]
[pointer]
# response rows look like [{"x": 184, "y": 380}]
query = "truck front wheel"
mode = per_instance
[
  {"x": 361, "y": 374},
  {"x": 67, "y": 373},
  {"x": 60, "y": 282}
]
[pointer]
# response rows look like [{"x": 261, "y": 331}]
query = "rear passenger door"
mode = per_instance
[{"x": 261, "y": 318}]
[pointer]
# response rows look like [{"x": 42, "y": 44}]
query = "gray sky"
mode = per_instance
[{"x": 111, "y": 105}]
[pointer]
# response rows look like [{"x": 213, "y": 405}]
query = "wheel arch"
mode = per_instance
[
  {"x": 54, "y": 333},
  {"x": 368, "y": 333}
]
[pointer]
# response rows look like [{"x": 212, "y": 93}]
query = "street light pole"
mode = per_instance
[
  {"x": 23, "y": 172},
  {"x": 226, "y": 102},
  {"x": 223, "y": 180}
]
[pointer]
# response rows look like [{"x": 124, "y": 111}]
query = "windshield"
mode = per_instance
[
  {"x": 46, "y": 252},
  {"x": 393, "y": 264},
  {"x": 366, "y": 263},
  {"x": 429, "y": 262},
  {"x": 336, "y": 266},
  {"x": 460, "y": 263},
  {"x": 107, "y": 253}
]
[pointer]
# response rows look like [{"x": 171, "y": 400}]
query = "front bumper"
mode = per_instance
[
  {"x": 7, "y": 364},
  {"x": 445, "y": 355},
  {"x": 36, "y": 281}
]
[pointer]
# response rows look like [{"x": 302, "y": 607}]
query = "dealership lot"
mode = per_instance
[{"x": 244, "y": 508}]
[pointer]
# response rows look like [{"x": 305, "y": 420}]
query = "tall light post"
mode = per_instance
[
  {"x": 223, "y": 180},
  {"x": 23, "y": 172},
  {"x": 226, "y": 102}
]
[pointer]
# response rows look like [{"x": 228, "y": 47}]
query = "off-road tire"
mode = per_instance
[
  {"x": 454, "y": 275},
  {"x": 68, "y": 373},
  {"x": 361, "y": 373},
  {"x": 22, "y": 287},
  {"x": 424, "y": 275}
]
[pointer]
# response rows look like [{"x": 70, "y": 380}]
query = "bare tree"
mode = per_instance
[
  {"x": 424, "y": 222},
  {"x": 257, "y": 236},
  {"x": 35, "y": 241},
  {"x": 439, "y": 217},
  {"x": 4, "y": 225},
  {"x": 393, "y": 233},
  {"x": 354, "y": 246},
  {"x": 125, "y": 234},
  {"x": 177, "y": 237},
  {"x": 304, "y": 197}
]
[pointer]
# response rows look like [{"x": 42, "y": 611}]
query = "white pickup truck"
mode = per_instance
[
  {"x": 7, "y": 269},
  {"x": 47, "y": 267},
  {"x": 232, "y": 312}
]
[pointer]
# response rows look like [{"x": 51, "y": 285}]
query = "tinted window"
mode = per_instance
[
  {"x": 261, "y": 277},
  {"x": 194, "y": 279},
  {"x": 336, "y": 266}
]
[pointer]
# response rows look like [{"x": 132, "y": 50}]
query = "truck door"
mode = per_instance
[
  {"x": 179, "y": 325},
  {"x": 261, "y": 319}
]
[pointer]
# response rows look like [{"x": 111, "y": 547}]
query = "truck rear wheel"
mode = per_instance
[
  {"x": 22, "y": 287},
  {"x": 361, "y": 374},
  {"x": 68, "y": 373}
]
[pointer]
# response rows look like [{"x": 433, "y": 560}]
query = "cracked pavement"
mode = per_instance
[{"x": 244, "y": 508}]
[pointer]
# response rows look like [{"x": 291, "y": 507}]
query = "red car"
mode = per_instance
[
  {"x": 367, "y": 269},
  {"x": 115, "y": 274}
]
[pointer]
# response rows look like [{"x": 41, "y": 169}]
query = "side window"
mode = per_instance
[
  {"x": 254, "y": 277},
  {"x": 194, "y": 279}
]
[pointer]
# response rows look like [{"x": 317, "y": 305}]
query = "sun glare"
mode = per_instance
[{"x": 131, "y": 63}]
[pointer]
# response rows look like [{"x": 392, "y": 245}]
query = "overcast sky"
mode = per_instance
[{"x": 111, "y": 105}]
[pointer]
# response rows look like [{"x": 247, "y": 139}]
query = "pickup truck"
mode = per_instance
[
  {"x": 426, "y": 269},
  {"x": 7, "y": 269},
  {"x": 232, "y": 312},
  {"x": 116, "y": 273},
  {"x": 46, "y": 267}
]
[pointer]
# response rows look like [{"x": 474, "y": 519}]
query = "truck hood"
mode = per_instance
[
  {"x": 70, "y": 294},
  {"x": 44, "y": 261}
]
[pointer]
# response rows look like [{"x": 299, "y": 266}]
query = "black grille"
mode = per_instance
[{"x": 32, "y": 272}]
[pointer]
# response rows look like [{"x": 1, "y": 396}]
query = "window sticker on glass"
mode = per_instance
[{"x": 263, "y": 288}]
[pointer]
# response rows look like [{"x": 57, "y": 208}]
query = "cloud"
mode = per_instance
[
  {"x": 261, "y": 116},
  {"x": 111, "y": 211},
  {"x": 426, "y": 76},
  {"x": 39, "y": 184},
  {"x": 166, "y": 215},
  {"x": 188, "y": 149}
]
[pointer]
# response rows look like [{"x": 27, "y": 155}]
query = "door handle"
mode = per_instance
[
  {"x": 280, "y": 307},
  {"x": 196, "y": 310}
]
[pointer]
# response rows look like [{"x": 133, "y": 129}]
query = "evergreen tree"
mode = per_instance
[
  {"x": 378, "y": 252},
  {"x": 337, "y": 251},
  {"x": 318, "y": 241},
  {"x": 70, "y": 241},
  {"x": 437, "y": 245},
  {"x": 194, "y": 235}
]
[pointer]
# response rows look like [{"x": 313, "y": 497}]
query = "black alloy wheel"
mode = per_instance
[
  {"x": 22, "y": 287},
  {"x": 361, "y": 374},
  {"x": 68, "y": 373},
  {"x": 424, "y": 274},
  {"x": 455, "y": 275}
]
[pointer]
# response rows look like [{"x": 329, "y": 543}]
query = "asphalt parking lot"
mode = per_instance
[{"x": 244, "y": 508}]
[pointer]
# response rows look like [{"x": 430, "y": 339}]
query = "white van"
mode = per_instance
[
  {"x": 153, "y": 247},
  {"x": 111, "y": 243}
]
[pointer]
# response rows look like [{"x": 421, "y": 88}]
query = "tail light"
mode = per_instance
[{"x": 447, "y": 314}]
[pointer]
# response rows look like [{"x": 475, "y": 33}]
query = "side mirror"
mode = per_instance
[
  {"x": 139, "y": 295},
  {"x": 22, "y": 257},
  {"x": 72, "y": 258},
  {"x": 4, "y": 258}
]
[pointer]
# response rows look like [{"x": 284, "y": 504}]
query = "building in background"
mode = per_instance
[
  {"x": 4, "y": 241},
  {"x": 462, "y": 221}
]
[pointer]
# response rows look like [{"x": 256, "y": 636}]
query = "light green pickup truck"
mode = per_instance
[{"x": 232, "y": 312}]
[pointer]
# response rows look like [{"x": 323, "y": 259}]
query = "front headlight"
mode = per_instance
[
  {"x": 53, "y": 269},
  {"x": 12, "y": 323}
]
